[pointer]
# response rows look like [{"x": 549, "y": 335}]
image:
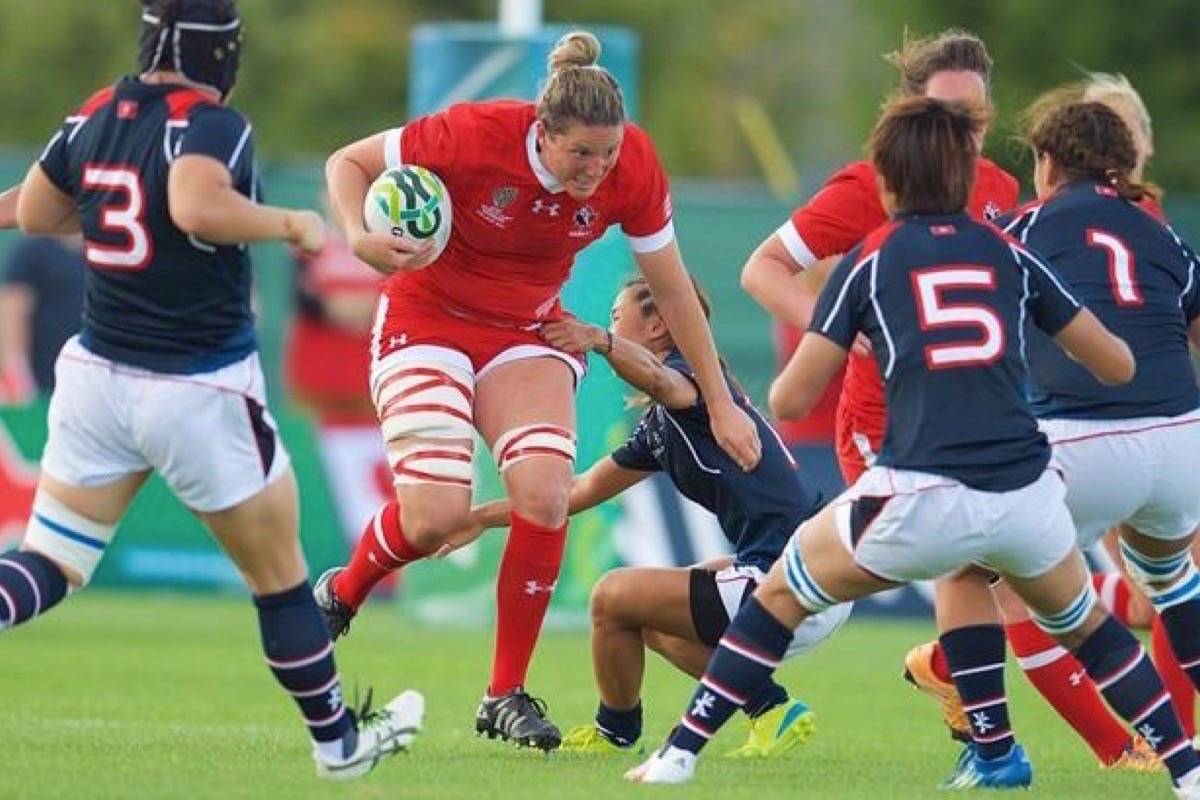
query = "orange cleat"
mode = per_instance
[{"x": 918, "y": 670}]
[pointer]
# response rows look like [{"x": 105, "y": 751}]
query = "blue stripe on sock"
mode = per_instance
[
  {"x": 1154, "y": 566},
  {"x": 1190, "y": 588},
  {"x": 67, "y": 533}
]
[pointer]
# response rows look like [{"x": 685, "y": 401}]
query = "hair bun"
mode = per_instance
[{"x": 575, "y": 49}]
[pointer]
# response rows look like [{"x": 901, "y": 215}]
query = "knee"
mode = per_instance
[
  {"x": 544, "y": 503},
  {"x": 428, "y": 528},
  {"x": 607, "y": 596}
]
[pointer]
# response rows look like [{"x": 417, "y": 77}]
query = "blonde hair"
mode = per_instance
[
  {"x": 1116, "y": 92},
  {"x": 578, "y": 89}
]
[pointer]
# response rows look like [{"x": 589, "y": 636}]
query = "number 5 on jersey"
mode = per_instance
[
  {"x": 935, "y": 313},
  {"x": 124, "y": 216}
]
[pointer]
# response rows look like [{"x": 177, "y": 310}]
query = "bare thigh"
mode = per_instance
[
  {"x": 530, "y": 391},
  {"x": 647, "y": 598}
]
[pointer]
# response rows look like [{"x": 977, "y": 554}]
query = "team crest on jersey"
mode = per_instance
[
  {"x": 990, "y": 210},
  {"x": 504, "y": 196},
  {"x": 584, "y": 218}
]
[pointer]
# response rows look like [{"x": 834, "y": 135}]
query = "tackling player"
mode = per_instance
[
  {"x": 159, "y": 175},
  {"x": 457, "y": 348}
]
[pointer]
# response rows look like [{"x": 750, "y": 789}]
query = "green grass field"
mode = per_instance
[{"x": 162, "y": 696}]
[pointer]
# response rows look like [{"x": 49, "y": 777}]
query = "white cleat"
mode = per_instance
[
  {"x": 1188, "y": 787},
  {"x": 671, "y": 765},
  {"x": 381, "y": 733}
]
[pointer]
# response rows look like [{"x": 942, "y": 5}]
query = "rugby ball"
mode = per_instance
[{"x": 411, "y": 202}]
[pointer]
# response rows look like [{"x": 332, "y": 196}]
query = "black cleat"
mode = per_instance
[
  {"x": 336, "y": 613},
  {"x": 519, "y": 718}
]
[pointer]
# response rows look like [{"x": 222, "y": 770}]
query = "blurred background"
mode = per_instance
[{"x": 751, "y": 104}]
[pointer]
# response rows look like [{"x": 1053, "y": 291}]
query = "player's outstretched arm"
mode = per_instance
[
  {"x": 781, "y": 286},
  {"x": 606, "y": 479},
  {"x": 677, "y": 303},
  {"x": 636, "y": 365},
  {"x": 204, "y": 203},
  {"x": 800, "y": 384},
  {"x": 349, "y": 173},
  {"x": 42, "y": 209},
  {"x": 8, "y": 207},
  {"x": 1105, "y": 355}
]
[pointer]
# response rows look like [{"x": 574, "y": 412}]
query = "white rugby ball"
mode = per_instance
[{"x": 412, "y": 202}]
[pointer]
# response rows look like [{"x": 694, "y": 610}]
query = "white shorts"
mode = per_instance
[
  {"x": 735, "y": 584},
  {"x": 209, "y": 435},
  {"x": 1144, "y": 471},
  {"x": 905, "y": 526}
]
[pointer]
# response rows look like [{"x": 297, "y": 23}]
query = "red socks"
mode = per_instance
[
  {"x": 1113, "y": 591},
  {"x": 381, "y": 550},
  {"x": 528, "y": 573},
  {"x": 1183, "y": 691},
  {"x": 1061, "y": 679}
]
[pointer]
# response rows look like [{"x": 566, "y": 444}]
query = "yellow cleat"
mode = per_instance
[
  {"x": 1139, "y": 756},
  {"x": 589, "y": 739},
  {"x": 918, "y": 670},
  {"x": 777, "y": 731}
]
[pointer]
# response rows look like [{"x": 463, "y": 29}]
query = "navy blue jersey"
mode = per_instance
[
  {"x": 155, "y": 297},
  {"x": 944, "y": 300},
  {"x": 1137, "y": 276},
  {"x": 758, "y": 510}
]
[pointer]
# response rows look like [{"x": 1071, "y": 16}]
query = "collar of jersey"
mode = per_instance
[{"x": 544, "y": 176}]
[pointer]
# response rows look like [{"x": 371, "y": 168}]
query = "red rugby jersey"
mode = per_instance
[
  {"x": 515, "y": 230},
  {"x": 845, "y": 210}
]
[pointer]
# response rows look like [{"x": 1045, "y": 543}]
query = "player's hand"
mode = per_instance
[
  {"x": 458, "y": 539},
  {"x": 862, "y": 345},
  {"x": 572, "y": 336},
  {"x": 388, "y": 254},
  {"x": 305, "y": 229},
  {"x": 735, "y": 432}
]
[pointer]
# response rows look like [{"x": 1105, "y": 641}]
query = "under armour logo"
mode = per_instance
[
  {"x": 533, "y": 587},
  {"x": 981, "y": 722},
  {"x": 703, "y": 705},
  {"x": 1077, "y": 678},
  {"x": 397, "y": 341},
  {"x": 335, "y": 698},
  {"x": 540, "y": 205},
  {"x": 1152, "y": 737}
]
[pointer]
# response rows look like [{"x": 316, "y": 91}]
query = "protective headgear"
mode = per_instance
[{"x": 200, "y": 38}]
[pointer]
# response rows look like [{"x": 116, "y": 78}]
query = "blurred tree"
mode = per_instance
[{"x": 321, "y": 72}]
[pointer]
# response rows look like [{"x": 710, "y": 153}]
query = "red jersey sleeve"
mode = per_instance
[
  {"x": 837, "y": 217},
  {"x": 431, "y": 141},
  {"x": 646, "y": 217}
]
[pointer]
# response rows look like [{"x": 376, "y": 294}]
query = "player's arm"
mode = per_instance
[
  {"x": 680, "y": 309},
  {"x": 786, "y": 289},
  {"x": 800, "y": 385},
  {"x": 8, "y": 207},
  {"x": 636, "y": 365},
  {"x": 16, "y": 317},
  {"x": 1194, "y": 333},
  {"x": 1105, "y": 355},
  {"x": 349, "y": 173},
  {"x": 42, "y": 209},
  {"x": 606, "y": 479},
  {"x": 204, "y": 203}
]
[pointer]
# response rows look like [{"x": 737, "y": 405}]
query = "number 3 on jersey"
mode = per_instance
[
  {"x": 935, "y": 313},
  {"x": 124, "y": 215}
]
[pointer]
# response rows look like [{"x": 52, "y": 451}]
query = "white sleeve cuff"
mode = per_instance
[
  {"x": 796, "y": 247},
  {"x": 655, "y": 241},
  {"x": 391, "y": 148}
]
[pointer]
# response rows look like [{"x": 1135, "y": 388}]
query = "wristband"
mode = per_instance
[{"x": 609, "y": 339}]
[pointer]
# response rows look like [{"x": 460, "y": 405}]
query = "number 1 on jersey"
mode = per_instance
[
  {"x": 127, "y": 218},
  {"x": 1121, "y": 275}
]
